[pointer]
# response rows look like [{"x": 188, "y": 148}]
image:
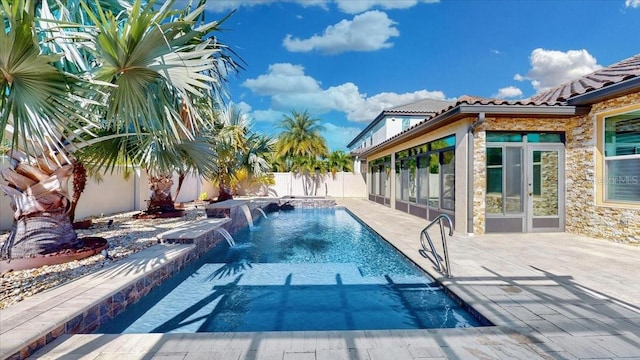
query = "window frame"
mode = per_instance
[{"x": 601, "y": 160}]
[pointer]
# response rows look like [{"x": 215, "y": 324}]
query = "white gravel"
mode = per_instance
[{"x": 125, "y": 235}]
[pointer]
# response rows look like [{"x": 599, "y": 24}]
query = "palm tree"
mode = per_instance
[
  {"x": 300, "y": 146},
  {"x": 339, "y": 161},
  {"x": 157, "y": 159},
  {"x": 301, "y": 137},
  {"x": 132, "y": 73},
  {"x": 311, "y": 170},
  {"x": 239, "y": 151}
]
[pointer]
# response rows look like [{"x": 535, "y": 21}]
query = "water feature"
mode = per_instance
[
  {"x": 306, "y": 269},
  {"x": 247, "y": 214},
  {"x": 262, "y": 212},
  {"x": 227, "y": 236}
]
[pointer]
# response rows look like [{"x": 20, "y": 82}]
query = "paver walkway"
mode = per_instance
[{"x": 552, "y": 296}]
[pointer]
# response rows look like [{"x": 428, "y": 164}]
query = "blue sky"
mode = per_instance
[{"x": 345, "y": 61}]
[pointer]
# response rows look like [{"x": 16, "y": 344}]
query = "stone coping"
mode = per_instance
[
  {"x": 226, "y": 204},
  {"x": 191, "y": 232}
]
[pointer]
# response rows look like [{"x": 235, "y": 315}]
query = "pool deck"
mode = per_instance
[{"x": 551, "y": 296}]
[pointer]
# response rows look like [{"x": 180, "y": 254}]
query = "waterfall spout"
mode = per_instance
[
  {"x": 227, "y": 236},
  {"x": 262, "y": 212},
  {"x": 247, "y": 214}
]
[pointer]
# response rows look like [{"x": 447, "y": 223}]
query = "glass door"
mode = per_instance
[{"x": 545, "y": 188}]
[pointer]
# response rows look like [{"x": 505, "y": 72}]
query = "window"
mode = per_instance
[
  {"x": 425, "y": 174},
  {"x": 622, "y": 157},
  {"x": 374, "y": 180},
  {"x": 405, "y": 180},
  {"x": 504, "y": 180},
  {"x": 434, "y": 187},
  {"x": 380, "y": 170},
  {"x": 448, "y": 179},
  {"x": 423, "y": 180},
  {"x": 405, "y": 124}
]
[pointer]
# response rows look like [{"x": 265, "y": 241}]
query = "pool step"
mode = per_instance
[{"x": 266, "y": 274}]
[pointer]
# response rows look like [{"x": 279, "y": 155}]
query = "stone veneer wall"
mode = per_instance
[
  {"x": 479, "y": 179},
  {"x": 480, "y": 145},
  {"x": 583, "y": 216},
  {"x": 614, "y": 223}
]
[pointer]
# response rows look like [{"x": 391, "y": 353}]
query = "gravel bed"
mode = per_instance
[{"x": 125, "y": 235}]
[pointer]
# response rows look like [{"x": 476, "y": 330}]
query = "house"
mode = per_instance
[
  {"x": 391, "y": 122},
  {"x": 567, "y": 159}
]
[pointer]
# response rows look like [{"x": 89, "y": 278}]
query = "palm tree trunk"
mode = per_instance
[
  {"x": 40, "y": 234},
  {"x": 79, "y": 183},
  {"x": 224, "y": 193},
  {"x": 160, "y": 200},
  {"x": 181, "y": 176},
  {"x": 39, "y": 197}
]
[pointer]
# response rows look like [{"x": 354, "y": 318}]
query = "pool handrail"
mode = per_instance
[{"x": 425, "y": 234}]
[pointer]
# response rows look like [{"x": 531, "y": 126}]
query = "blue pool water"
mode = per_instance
[{"x": 307, "y": 269}]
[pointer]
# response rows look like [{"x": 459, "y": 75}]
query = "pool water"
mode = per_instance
[{"x": 306, "y": 269}]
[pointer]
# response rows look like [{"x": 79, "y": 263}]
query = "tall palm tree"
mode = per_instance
[
  {"x": 132, "y": 73},
  {"x": 301, "y": 137},
  {"x": 300, "y": 146}
]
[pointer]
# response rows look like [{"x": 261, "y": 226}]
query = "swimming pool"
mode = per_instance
[{"x": 307, "y": 269}]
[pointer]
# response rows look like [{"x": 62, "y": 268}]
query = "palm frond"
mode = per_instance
[{"x": 39, "y": 103}]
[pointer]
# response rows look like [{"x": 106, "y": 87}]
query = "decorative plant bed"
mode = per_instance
[{"x": 92, "y": 245}]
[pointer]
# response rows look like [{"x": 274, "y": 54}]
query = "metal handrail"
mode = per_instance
[{"x": 439, "y": 219}]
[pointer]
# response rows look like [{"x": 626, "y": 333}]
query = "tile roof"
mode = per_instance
[
  {"x": 421, "y": 106},
  {"x": 518, "y": 105},
  {"x": 553, "y": 98},
  {"x": 626, "y": 69}
]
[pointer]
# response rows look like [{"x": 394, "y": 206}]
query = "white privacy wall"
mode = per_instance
[{"x": 116, "y": 193}]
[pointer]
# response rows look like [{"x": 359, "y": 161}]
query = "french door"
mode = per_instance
[
  {"x": 525, "y": 188},
  {"x": 545, "y": 188}
]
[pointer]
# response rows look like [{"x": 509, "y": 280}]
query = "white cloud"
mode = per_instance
[
  {"x": 358, "y": 6},
  {"x": 290, "y": 89},
  {"x": 509, "y": 92},
  {"x": 271, "y": 116},
  {"x": 283, "y": 78},
  {"x": 632, "y": 3},
  {"x": 550, "y": 68},
  {"x": 244, "y": 107},
  {"x": 366, "y": 32}
]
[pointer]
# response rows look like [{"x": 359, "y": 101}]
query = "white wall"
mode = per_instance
[{"x": 345, "y": 184}]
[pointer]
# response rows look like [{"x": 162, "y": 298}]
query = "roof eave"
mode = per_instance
[
  {"x": 543, "y": 110},
  {"x": 464, "y": 110},
  {"x": 605, "y": 93}
]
